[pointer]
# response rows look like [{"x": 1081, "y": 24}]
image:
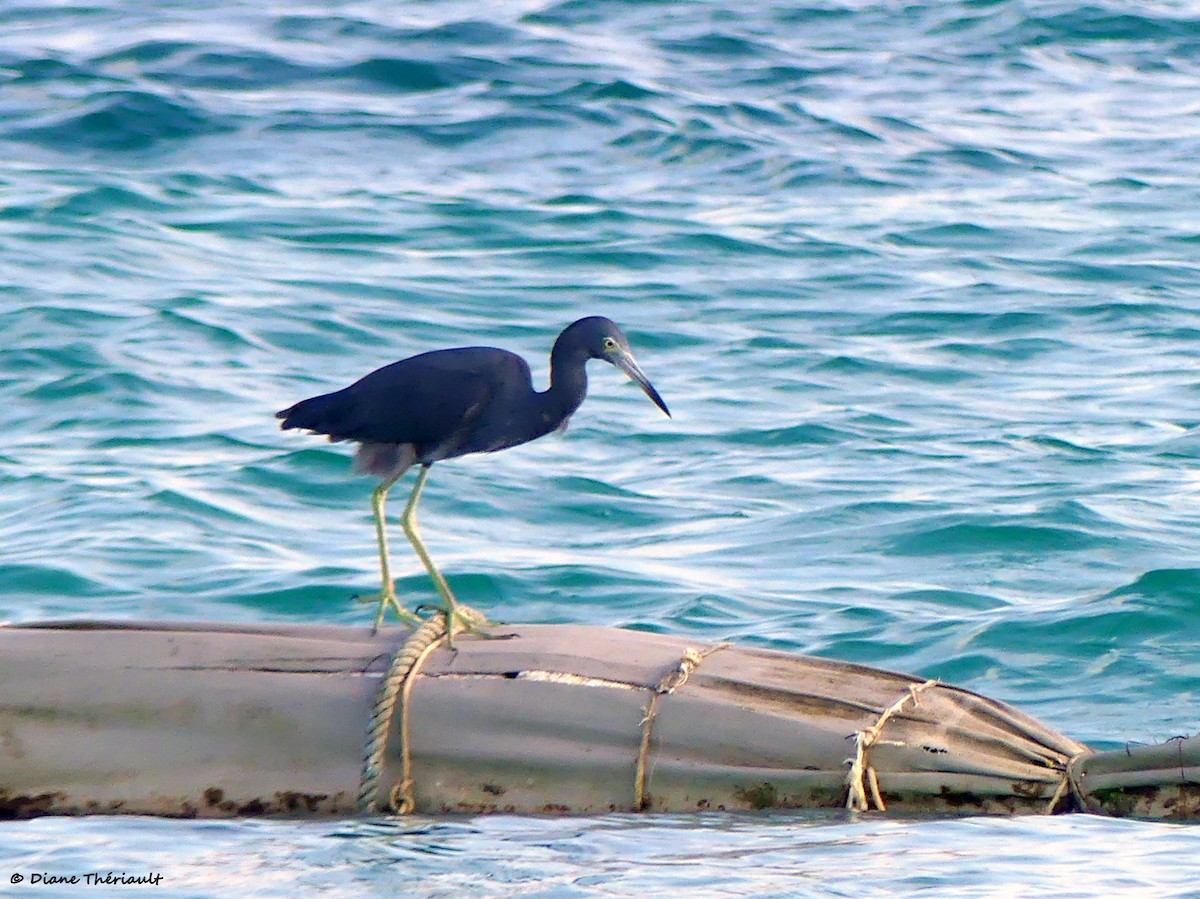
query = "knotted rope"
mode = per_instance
[
  {"x": 862, "y": 781},
  {"x": 397, "y": 684},
  {"x": 671, "y": 681},
  {"x": 1070, "y": 782}
]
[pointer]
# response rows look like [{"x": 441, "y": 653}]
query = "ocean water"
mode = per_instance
[{"x": 918, "y": 281}]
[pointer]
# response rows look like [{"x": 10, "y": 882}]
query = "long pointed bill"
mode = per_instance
[{"x": 625, "y": 362}]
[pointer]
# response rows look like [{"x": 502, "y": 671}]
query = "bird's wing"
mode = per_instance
[
  {"x": 426, "y": 399},
  {"x": 434, "y": 400}
]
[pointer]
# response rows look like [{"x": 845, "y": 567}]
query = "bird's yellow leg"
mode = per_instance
[
  {"x": 409, "y": 522},
  {"x": 388, "y": 595}
]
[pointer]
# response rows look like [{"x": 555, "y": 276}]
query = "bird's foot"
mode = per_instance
[
  {"x": 386, "y": 599},
  {"x": 464, "y": 619}
]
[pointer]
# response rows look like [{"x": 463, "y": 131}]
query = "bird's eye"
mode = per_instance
[{"x": 609, "y": 344}]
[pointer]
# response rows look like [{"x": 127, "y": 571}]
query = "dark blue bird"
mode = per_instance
[{"x": 448, "y": 403}]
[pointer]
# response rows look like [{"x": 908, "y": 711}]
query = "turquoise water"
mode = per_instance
[{"x": 917, "y": 280}]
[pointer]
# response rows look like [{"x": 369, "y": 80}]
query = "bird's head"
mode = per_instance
[{"x": 600, "y": 338}]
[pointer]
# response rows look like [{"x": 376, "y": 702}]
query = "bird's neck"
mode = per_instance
[{"x": 568, "y": 380}]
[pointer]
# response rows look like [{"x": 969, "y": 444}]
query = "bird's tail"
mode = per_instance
[{"x": 324, "y": 414}]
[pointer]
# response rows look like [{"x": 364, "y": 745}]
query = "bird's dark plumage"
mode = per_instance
[
  {"x": 448, "y": 403},
  {"x": 416, "y": 400}
]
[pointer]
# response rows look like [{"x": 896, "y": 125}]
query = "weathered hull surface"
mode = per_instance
[{"x": 222, "y": 720}]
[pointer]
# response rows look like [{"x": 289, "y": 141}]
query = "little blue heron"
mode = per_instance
[{"x": 448, "y": 403}]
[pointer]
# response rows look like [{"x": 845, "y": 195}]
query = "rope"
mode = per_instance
[
  {"x": 397, "y": 684},
  {"x": 671, "y": 681},
  {"x": 1070, "y": 781},
  {"x": 862, "y": 777},
  {"x": 862, "y": 780}
]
